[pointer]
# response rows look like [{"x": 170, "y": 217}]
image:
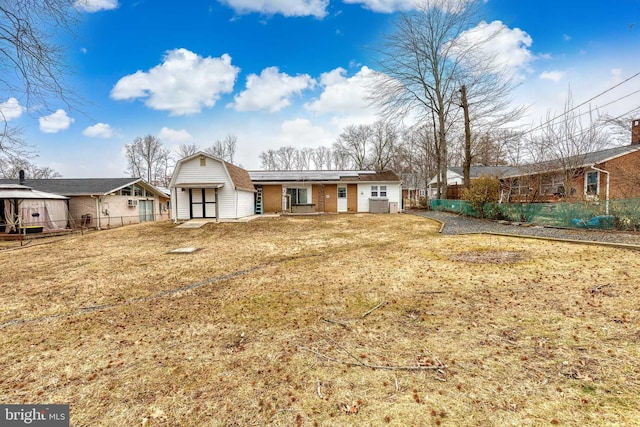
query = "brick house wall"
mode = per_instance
[{"x": 272, "y": 198}]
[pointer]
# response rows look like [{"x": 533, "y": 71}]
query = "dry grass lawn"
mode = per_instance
[{"x": 339, "y": 320}]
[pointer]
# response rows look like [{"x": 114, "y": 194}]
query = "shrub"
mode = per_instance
[{"x": 485, "y": 189}]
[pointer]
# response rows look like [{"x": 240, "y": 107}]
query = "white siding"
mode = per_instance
[
  {"x": 231, "y": 202},
  {"x": 394, "y": 194},
  {"x": 246, "y": 204}
]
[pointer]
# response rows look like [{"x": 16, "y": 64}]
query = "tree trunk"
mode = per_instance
[{"x": 466, "y": 167}]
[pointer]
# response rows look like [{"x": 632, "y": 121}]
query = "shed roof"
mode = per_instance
[{"x": 239, "y": 176}]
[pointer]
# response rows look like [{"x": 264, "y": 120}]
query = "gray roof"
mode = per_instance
[
  {"x": 476, "y": 171},
  {"x": 584, "y": 160},
  {"x": 80, "y": 186}
]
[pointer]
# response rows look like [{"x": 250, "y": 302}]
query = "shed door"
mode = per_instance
[
  {"x": 203, "y": 202},
  {"x": 342, "y": 199}
]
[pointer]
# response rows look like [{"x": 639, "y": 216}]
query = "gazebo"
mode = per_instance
[{"x": 25, "y": 210}]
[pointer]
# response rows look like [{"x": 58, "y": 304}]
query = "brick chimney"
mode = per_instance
[{"x": 635, "y": 132}]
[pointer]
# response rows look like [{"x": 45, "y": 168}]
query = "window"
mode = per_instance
[
  {"x": 298, "y": 195},
  {"x": 374, "y": 191},
  {"x": 592, "y": 183},
  {"x": 126, "y": 191},
  {"x": 203, "y": 161},
  {"x": 383, "y": 191},
  {"x": 342, "y": 192}
]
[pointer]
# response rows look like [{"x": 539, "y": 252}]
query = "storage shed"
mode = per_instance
[{"x": 203, "y": 186}]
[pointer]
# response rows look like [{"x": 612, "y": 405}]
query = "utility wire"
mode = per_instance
[{"x": 583, "y": 103}]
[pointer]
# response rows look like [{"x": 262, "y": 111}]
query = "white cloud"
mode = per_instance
[
  {"x": 554, "y": 76},
  {"x": 183, "y": 84},
  {"x": 345, "y": 96},
  {"x": 302, "y": 133},
  {"x": 507, "y": 48},
  {"x": 99, "y": 130},
  {"x": 317, "y": 8},
  {"x": 96, "y": 5},
  {"x": 54, "y": 123},
  {"x": 11, "y": 109},
  {"x": 172, "y": 136},
  {"x": 270, "y": 91},
  {"x": 386, "y": 6}
]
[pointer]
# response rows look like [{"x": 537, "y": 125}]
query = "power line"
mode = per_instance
[{"x": 583, "y": 103}]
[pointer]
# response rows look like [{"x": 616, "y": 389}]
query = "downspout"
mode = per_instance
[
  {"x": 174, "y": 205},
  {"x": 606, "y": 203},
  {"x": 97, "y": 211}
]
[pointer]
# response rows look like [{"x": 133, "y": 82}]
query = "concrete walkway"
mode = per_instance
[{"x": 199, "y": 222}]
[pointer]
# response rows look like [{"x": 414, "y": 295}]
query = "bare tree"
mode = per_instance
[
  {"x": 384, "y": 143},
  {"x": 186, "y": 150},
  {"x": 225, "y": 149},
  {"x": 353, "y": 143},
  {"x": 268, "y": 160},
  {"x": 32, "y": 66},
  {"x": 562, "y": 143},
  {"x": 303, "y": 158},
  {"x": 322, "y": 158},
  {"x": 420, "y": 69},
  {"x": 285, "y": 157},
  {"x": 147, "y": 158},
  {"x": 11, "y": 170}
]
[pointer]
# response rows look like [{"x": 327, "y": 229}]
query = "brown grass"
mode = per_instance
[{"x": 265, "y": 325}]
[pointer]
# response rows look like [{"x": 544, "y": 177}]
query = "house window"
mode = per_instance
[
  {"x": 138, "y": 191},
  {"x": 126, "y": 191},
  {"x": 383, "y": 191},
  {"x": 342, "y": 192},
  {"x": 203, "y": 161},
  {"x": 374, "y": 191},
  {"x": 592, "y": 183},
  {"x": 298, "y": 195}
]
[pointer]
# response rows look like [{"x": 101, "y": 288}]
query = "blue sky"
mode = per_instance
[{"x": 291, "y": 72}]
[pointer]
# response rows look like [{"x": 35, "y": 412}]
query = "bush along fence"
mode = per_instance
[{"x": 614, "y": 214}]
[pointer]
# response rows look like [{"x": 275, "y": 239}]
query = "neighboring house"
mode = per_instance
[
  {"x": 104, "y": 202},
  {"x": 613, "y": 173},
  {"x": 327, "y": 191},
  {"x": 455, "y": 179},
  {"x": 203, "y": 186},
  {"x": 413, "y": 188}
]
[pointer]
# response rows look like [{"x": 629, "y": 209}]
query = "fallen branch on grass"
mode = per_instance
[
  {"x": 374, "y": 309},
  {"x": 599, "y": 288},
  {"x": 344, "y": 325},
  {"x": 366, "y": 365}
]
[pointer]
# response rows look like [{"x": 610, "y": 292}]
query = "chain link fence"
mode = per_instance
[{"x": 614, "y": 214}]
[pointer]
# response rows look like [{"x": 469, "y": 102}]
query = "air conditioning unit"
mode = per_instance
[{"x": 132, "y": 202}]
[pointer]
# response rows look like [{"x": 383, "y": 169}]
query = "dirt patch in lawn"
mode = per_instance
[
  {"x": 491, "y": 257},
  {"x": 331, "y": 320}
]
